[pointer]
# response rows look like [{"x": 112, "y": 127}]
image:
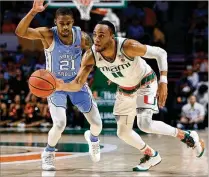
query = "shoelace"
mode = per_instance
[
  {"x": 95, "y": 148},
  {"x": 49, "y": 159},
  {"x": 189, "y": 141},
  {"x": 144, "y": 159}
]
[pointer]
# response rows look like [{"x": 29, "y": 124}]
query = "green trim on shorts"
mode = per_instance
[{"x": 144, "y": 81}]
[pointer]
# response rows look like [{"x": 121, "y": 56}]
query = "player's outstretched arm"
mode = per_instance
[
  {"x": 86, "y": 41},
  {"x": 133, "y": 48},
  {"x": 23, "y": 29},
  {"x": 87, "y": 65}
]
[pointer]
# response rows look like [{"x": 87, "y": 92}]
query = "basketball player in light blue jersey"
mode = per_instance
[{"x": 63, "y": 46}]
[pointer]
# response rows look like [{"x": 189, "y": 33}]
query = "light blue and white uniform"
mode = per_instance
[{"x": 64, "y": 62}]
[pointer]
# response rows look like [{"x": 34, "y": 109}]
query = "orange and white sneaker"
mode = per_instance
[{"x": 147, "y": 162}]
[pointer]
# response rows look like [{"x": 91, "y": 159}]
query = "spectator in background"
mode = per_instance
[
  {"x": 2, "y": 50},
  {"x": 8, "y": 26},
  {"x": 44, "y": 18},
  {"x": 32, "y": 110},
  {"x": 201, "y": 93},
  {"x": 193, "y": 76},
  {"x": 158, "y": 37},
  {"x": 135, "y": 30},
  {"x": 45, "y": 111},
  {"x": 4, "y": 86},
  {"x": 183, "y": 89},
  {"x": 161, "y": 9},
  {"x": 19, "y": 54},
  {"x": 18, "y": 84},
  {"x": 10, "y": 70},
  {"x": 41, "y": 62},
  {"x": 27, "y": 64},
  {"x": 3, "y": 110},
  {"x": 204, "y": 66},
  {"x": 16, "y": 109},
  {"x": 199, "y": 27},
  {"x": 150, "y": 18},
  {"x": 192, "y": 114},
  {"x": 184, "y": 86}
]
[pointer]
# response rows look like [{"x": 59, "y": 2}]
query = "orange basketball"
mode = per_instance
[{"x": 42, "y": 83}]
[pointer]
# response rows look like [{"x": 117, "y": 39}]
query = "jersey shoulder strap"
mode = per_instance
[
  {"x": 55, "y": 34},
  {"x": 77, "y": 35},
  {"x": 120, "y": 51}
]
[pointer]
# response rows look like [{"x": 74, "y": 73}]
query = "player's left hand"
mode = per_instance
[
  {"x": 162, "y": 93},
  {"x": 59, "y": 84}
]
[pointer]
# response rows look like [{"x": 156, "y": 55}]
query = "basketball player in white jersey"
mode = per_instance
[
  {"x": 63, "y": 45},
  {"x": 119, "y": 59}
]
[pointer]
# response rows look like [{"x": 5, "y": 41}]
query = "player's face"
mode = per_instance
[
  {"x": 102, "y": 37},
  {"x": 64, "y": 24}
]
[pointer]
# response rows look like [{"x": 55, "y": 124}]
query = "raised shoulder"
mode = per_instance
[
  {"x": 133, "y": 48},
  {"x": 46, "y": 32},
  {"x": 86, "y": 41}
]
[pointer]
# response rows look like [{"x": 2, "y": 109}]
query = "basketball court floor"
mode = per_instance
[{"x": 20, "y": 157}]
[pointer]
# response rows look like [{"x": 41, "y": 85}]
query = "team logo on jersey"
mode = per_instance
[
  {"x": 115, "y": 68},
  {"x": 66, "y": 56},
  {"x": 122, "y": 59},
  {"x": 100, "y": 59}
]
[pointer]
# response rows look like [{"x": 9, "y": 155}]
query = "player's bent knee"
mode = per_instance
[
  {"x": 60, "y": 125},
  {"x": 120, "y": 133},
  {"x": 123, "y": 131},
  {"x": 144, "y": 120}
]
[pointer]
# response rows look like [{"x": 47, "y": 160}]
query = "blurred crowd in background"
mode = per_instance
[{"x": 181, "y": 28}]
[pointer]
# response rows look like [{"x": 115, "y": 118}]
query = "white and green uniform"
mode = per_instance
[{"x": 136, "y": 80}]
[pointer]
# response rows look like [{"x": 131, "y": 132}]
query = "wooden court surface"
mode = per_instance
[{"x": 177, "y": 159}]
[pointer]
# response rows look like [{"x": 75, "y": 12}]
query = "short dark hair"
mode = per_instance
[
  {"x": 109, "y": 24},
  {"x": 64, "y": 11}
]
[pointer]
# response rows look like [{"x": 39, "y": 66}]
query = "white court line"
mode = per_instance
[{"x": 105, "y": 149}]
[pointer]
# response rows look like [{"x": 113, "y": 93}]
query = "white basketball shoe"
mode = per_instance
[
  {"x": 94, "y": 148},
  {"x": 199, "y": 144},
  {"x": 48, "y": 161},
  {"x": 147, "y": 162}
]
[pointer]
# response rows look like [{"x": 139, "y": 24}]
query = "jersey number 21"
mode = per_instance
[{"x": 67, "y": 65}]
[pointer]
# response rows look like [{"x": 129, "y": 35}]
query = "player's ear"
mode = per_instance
[{"x": 55, "y": 21}]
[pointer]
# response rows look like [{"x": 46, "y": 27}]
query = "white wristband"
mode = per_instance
[{"x": 163, "y": 79}]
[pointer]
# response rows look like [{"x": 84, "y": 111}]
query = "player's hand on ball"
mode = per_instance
[
  {"x": 59, "y": 84},
  {"x": 38, "y": 6},
  {"x": 162, "y": 94}
]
